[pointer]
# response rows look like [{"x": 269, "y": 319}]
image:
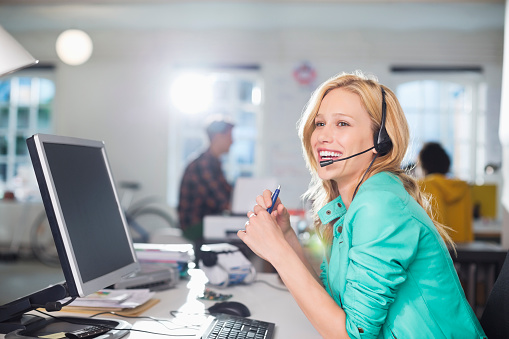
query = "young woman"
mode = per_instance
[{"x": 387, "y": 272}]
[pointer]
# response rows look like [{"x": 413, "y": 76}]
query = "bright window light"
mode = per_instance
[
  {"x": 192, "y": 92},
  {"x": 256, "y": 95}
]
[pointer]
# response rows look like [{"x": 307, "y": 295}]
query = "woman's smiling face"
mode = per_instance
[{"x": 342, "y": 128}]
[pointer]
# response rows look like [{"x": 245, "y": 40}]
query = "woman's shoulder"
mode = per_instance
[
  {"x": 383, "y": 178},
  {"x": 383, "y": 197},
  {"x": 383, "y": 187}
]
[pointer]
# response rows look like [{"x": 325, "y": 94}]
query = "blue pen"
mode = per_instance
[{"x": 274, "y": 198}]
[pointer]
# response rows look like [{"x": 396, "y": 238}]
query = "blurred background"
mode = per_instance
[
  {"x": 257, "y": 61},
  {"x": 152, "y": 71}
]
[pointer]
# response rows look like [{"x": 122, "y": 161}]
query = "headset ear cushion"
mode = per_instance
[
  {"x": 382, "y": 142},
  {"x": 209, "y": 258}
]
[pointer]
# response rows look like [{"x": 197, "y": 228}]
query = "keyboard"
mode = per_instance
[{"x": 227, "y": 326}]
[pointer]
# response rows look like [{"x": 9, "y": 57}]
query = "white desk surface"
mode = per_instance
[{"x": 265, "y": 303}]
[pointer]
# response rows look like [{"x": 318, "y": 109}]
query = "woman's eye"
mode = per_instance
[
  {"x": 319, "y": 124},
  {"x": 342, "y": 123}
]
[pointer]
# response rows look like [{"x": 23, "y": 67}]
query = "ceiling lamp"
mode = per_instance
[
  {"x": 12, "y": 55},
  {"x": 74, "y": 47}
]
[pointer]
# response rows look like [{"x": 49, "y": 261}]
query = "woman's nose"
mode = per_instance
[{"x": 324, "y": 135}]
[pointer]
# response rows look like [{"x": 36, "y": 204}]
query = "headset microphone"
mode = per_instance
[{"x": 330, "y": 161}]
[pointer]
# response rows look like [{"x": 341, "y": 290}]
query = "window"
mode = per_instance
[
  {"x": 449, "y": 110},
  {"x": 234, "y": 93},
  {"x": 25, "y": 109}
]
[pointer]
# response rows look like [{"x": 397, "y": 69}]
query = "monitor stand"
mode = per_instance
[
  {"x": 14, "y": 315},
  {"x": 57, "y": 327},
  {"x": 17, "y": 322}
]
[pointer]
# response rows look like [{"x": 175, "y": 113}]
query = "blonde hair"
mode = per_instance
[{"x": 320, "y": 191}]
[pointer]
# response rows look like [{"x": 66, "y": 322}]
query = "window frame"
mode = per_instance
[
  {"x": 178, "y": 134},
  {"x": 12, "y": 160},
  {"x": 474, "y": 82}
]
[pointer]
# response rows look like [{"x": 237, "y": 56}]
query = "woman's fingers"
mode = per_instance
[
  {"x": 241, "y": 234},
  {"x": 267, "y": 198},
  {"x": 250, "y": 214},
  {"x": 261, "y": 201}
]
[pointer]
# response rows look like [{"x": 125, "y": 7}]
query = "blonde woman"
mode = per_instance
[{"x": 387, "y": 272}]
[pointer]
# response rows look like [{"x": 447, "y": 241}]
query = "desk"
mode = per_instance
[
  {"x": 265, "y": 303},
  {"x": 487, "y": 229},
  {"x": 478, "y": 257}
]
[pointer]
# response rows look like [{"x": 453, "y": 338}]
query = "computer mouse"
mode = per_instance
[{"x": 230, "y": 307}]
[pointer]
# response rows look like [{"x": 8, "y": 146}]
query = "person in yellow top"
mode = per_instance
[{"x": 451, "y": 198}]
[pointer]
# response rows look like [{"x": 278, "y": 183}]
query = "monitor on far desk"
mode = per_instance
[
  {"x": 245, "y": 191},
  {"x": 87, "y": 224}
]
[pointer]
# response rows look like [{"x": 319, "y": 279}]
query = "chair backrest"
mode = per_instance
[{"x": 495, "y": 318}]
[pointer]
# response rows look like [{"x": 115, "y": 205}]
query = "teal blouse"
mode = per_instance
[{"x": 390, "y": 270}]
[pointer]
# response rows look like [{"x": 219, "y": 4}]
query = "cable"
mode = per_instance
[
  {"x": 52, "y": 306},
  {"x": 118, "y": 329},
  {"x": 160, "y": 321},
  {"x": 68, "y": 301},
  {"x": 356, "y": 188},
  {"x": 173, "y": 313},
  {"x": 273, "y": 286}
]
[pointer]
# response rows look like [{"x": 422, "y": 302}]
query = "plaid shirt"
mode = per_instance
[{"x": 203, "y": 191}]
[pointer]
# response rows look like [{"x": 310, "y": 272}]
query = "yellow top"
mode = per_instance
[{"x": 452, "y": 205}]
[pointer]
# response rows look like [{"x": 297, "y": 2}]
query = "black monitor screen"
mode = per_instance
[
  {"x": 81, "y": 202},
  {"x": 89, "y": 208}
]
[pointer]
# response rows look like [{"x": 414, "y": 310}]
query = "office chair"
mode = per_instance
[{"x": 495, "y": 318}]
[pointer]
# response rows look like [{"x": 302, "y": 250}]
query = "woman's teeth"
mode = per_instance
[{"x": 329, "y": 154}]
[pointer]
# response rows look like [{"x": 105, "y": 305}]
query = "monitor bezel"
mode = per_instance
[{"x": 75, "y": 284}]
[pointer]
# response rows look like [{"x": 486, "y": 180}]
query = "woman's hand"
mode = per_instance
[
  {"x": 279, "y": 212},
  {"x": 265, "y": 233}
]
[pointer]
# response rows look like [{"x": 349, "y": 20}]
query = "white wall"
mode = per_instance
[{"x": 121, "y": 94}]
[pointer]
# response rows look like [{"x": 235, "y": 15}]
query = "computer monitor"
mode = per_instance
[
  {"x": 88, "y": 226},
  {"x": 245, "y": 191}
]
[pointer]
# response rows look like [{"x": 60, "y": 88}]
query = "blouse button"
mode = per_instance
[
  {"x": 340, "y": 229},
  {"x": 328, "y": 212},
  {"x": 339, "y": 204},
  {"x": 361, "y": 330}
]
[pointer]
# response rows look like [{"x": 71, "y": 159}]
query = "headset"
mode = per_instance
[{"x": 382, "y": 141}]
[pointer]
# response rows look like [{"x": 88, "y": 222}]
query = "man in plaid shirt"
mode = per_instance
[{"x": 204, "y": 189}]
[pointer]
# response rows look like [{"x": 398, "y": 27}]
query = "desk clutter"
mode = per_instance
[
  {"x": 161, "y": 266},
  {"x": 177, "y": 256},
  {"x": 153, "y": 277},
  {"x": 224, "y": 265},
  {"x": 130, "y": 302}
]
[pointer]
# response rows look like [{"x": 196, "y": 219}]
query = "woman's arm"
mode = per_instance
[
  {"x": 294, "y": 242},
  {"x": 322, "y": 311},
  {"x": 280, "y": 213},
  {"x": 266, "y": 238}
]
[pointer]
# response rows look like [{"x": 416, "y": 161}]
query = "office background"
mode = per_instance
[{"x": 121, "y": 95}]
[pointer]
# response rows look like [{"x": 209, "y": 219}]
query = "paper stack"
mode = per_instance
[
  {"x": 128, "y": 301},
  {"x": 172, "y": 255}
]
